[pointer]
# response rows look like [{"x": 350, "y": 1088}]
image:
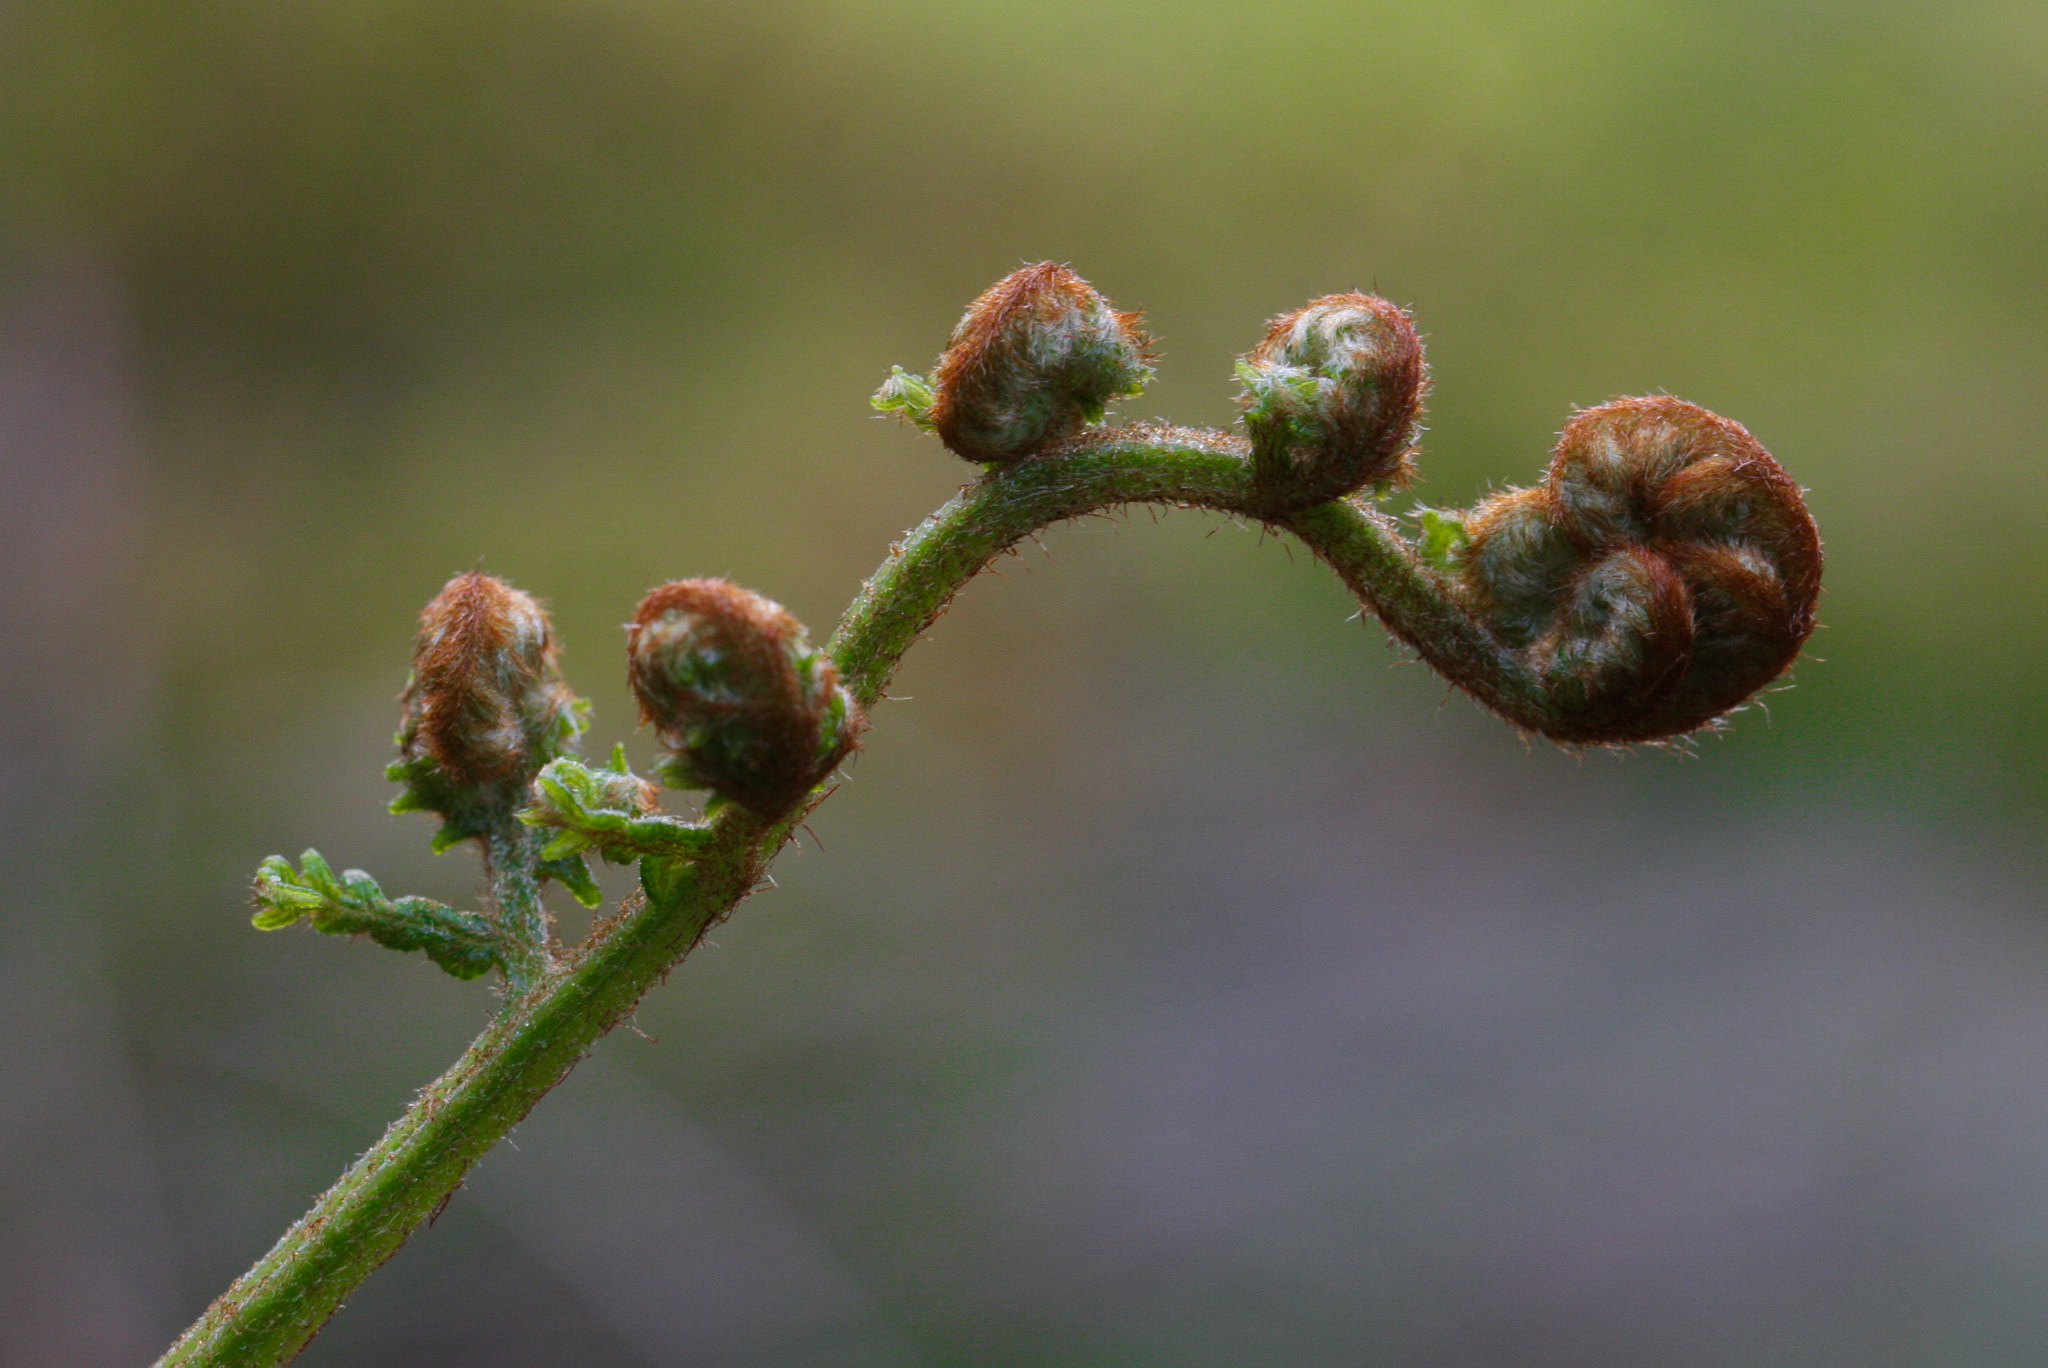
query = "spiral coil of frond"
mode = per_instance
[{"x": 1664, "y": 570}]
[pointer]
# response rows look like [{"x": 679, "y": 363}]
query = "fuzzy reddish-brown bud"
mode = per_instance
[
  {"x": 746, "y": 705},
  {"x": 486, "y": 701},
  {"x": 1664, "y": 571},
  {"x": 1332, "y": 397},
  {"x": 1037, "y": 357}
]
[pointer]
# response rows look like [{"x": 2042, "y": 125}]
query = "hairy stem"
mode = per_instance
[
  {"x": 277, "y": 1306},
  {"x": 564, "y": 1007},
  {"x": 509, "y": 859},
  {"x": 1178, "y": 467}
]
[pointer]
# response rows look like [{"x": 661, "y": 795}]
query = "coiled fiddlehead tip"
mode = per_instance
[
  {"x": 745, "y": 704},
  {"x": 486, "y": 701},
  {"x": 1037, "y": 357},
  {"x": 1332, "y": 397},
  {"x": 1664, "y": 571}
]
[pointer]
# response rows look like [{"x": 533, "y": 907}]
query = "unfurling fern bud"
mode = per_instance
[
  {"x": 1037, "y": 357},
  {"x": 613, "y": 810},
  {"x": 485, "y": 708},
  {"x": 1331, "y": 397},
  {"x": 1664, "y": 571},
  {"x": 746, "y": 705},
  {"x": 486, "y": 698}
]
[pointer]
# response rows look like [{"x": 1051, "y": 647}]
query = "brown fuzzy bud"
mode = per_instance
[
  {"x": 486, "y": 701},
  {"x": 1665, "y": 570},
  {"x": 747, "y": 706},
  {"x": 1331, "y": 397},
  {"x": 1037, "y": 357}
]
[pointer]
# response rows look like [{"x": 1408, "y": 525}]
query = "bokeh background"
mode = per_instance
[{"x": 1182, "y": 979}]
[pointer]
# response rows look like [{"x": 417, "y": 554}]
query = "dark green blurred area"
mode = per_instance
[
  {"x": 593, "y": 292},
  {"x": 614, "y": 257}
]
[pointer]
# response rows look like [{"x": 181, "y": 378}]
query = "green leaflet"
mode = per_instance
[
  {"x": 907, "y": 395},
  {"x": 352, "y": 904},
  {"x": 1443, "y": 537},
  {"x": 599, "y": 809}
]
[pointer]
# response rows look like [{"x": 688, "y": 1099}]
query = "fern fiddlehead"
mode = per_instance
[{"x": 1663, "y": 571}]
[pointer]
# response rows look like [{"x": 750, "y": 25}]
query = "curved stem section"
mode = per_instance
[
  {"x": 1179, "y": 467},
  {"x": 281, "y": 1303}
]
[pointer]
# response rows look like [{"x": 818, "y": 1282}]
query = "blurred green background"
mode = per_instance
[{"x": 1175, "y": 982}]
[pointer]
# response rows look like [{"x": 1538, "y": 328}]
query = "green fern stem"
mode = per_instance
[
  {"x": 511, "y": 853},
  {"x": 1107, "y": 468},
  {"x": 271, "y": 1312}
]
